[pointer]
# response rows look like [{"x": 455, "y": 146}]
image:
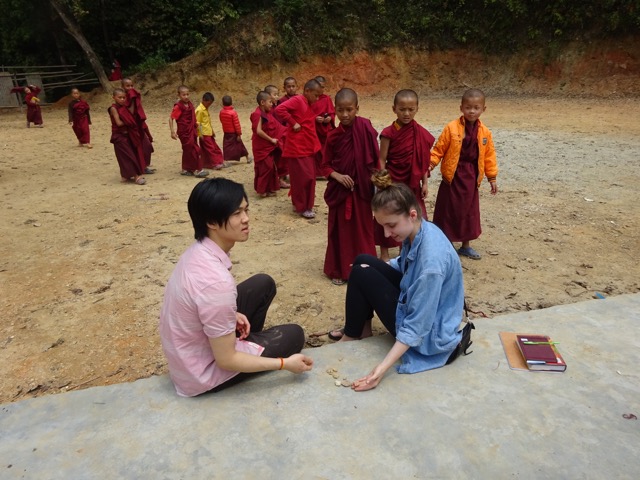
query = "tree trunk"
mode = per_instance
[{"x": 74, "y": 30}]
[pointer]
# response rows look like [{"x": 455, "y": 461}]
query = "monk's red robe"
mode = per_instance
[
  {"x": 349, "y": 151},
  {"x": 323, "y": 107},
  {"x": 185, "y": 116},
  {"x": 134, "y": 104},
  {"x": 210, "y": 151},
  {"x": 81, "y": 118},
  {"x": 34, "y": 113},
  {"x": 265, "y": 153},
  {"x": 299, "y": 150},
  {"x": 129, "y": 157},
  {"x": 408, "y": 160}
]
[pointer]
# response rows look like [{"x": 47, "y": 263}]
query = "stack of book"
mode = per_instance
[{"x": 540, "y": 353}]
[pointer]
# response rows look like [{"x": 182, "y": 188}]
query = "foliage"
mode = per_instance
[{"x": 146, "y": 35}]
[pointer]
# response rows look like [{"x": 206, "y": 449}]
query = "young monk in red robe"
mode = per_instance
[
  {"x": 281, "y": 163},
  {"x": 79, "y": 118},
  {"x": 325, "y": 119},
  {"x": 266, "y": 143},
  {"x": 290, "y": 90},
  {"x": 301, "y": 146},
  {"x": 464, "y": 164},
  {"x": 405, "y": 153},
  {"x": 350, "y": 157},
  {"x": 34, "y": 113},
  {"x": 185, "y": 117},
  {"x": 134, "y": 104},
  {"x": 126, "y": 139}
]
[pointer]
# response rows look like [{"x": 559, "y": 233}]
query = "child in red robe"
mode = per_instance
[
  {"x": 134, "y": 104},
  {"x": 405, "y": 153},
  {"x": 350, "y": 157},
  {"x": 466, "y": 150},
  {"x": 209, "y": 149},
  {"x": 325, "y": 117},
  {"x": 185, "y": 117},
  {"x": 281, "y": 164},
  {"x": 126, "y": 141},
  {"x": 301, "y": 146},
  {"x": 266, "y": 143},
  {"x": 290, "y": 90},
  {"x": 232, "y": 145},
  {"x": 80, "y": 118},
  {"x": 34, "y": 113}
]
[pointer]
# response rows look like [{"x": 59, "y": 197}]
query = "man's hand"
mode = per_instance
[
  {"x": 298, "y": 363},
  {"x": 243, "y": 327}
]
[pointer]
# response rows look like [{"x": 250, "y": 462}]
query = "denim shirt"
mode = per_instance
[{"x": 431, "y": 299}]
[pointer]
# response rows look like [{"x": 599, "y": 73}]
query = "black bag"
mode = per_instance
[{"x": 465, "y": 342}]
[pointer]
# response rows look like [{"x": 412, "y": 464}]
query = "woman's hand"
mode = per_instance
[
  {"x": 345, "y": 180},
  {"x": 243, "y": 327},
  {"x": 298, "y": 363},
  {"x": 369, "y": 382}
]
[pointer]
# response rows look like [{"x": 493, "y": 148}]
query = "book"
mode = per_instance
[{"x": 540, "y": 353}]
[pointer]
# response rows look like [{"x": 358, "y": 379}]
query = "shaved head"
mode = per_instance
[
  {"x": 473, "y": 93},
  {"x": 405, "y": 94},
  {"x": 271, "y": 89},
  {"x": 262, "y": 96},
  {"x": 346, "y": 95},
  {"x": 312, "y": 84}
]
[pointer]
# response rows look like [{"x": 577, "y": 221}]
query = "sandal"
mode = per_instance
[
  {"x": 338, "y": 281},
  {"x": 336, "y": 335},
  {"x": 140, "y": 181},
  {"x": 186, "y": 173},
  {"x": 469, "y": 252},
  {"x": 201, "y": 174},
  {"x": 308, "y": 214},
  {"x": 284, "y": 184},
  {"x": 149, "y": 171}
]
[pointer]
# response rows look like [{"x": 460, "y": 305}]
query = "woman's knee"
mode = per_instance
[{"x": 363, "y": 258}]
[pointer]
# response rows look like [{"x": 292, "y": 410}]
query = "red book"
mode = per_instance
[{"x": 540, "y": 353}]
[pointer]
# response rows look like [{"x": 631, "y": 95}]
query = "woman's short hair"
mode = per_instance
[
  {"x": 394, "y": 198},
  {"x": 213, "y": 201}
]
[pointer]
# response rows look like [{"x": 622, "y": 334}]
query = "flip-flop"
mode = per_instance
[
  {"x": 201, "y": 174},
  {"x": 308, "y": 214},
  {"x": 469, "y": 252},
  {"x": 186, "y": 173},
  {"x": 334, "y": 337},
  {"x": 140, "y": 181},
  {"x": 338, "y": 281},
  {"x": 149, "y": 171}
]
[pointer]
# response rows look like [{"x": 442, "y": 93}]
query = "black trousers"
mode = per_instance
[
  {"x": 255, "y": 295},
  {"x": 374, "y": 286}
]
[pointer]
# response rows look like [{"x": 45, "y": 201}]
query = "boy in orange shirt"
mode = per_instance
[{"x": 466, "y": 150}]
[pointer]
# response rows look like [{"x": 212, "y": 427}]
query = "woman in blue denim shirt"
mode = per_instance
[{"x": 418, "y": 296}]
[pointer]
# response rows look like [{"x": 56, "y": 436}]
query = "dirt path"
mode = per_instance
[{"x": 84, "y": 259}]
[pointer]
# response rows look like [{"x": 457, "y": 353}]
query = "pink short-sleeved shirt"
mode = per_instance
[{"x": 199, "y": 303}]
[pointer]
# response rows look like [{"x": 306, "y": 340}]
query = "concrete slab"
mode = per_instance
[{"x": 473, "y": 419}]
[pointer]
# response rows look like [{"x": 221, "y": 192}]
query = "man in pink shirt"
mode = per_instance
[{"x": 212, "y": 330}]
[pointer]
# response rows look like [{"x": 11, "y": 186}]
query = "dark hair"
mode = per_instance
[
  {"x": 213, "y": 201},
  {"x": 269, "y": 88},
  {"x": 288, "y": 79},
  {"x": 346, "y": 94},
  {"x": 312, "y": 84},
  {"x": 395, "y": 198},
  {"x": 227, "y": 101},
  {"x": 182, "y": 87},
  {"x": 118, "y": 90},
  {"x": 320, "y": 79},
  {"x": 472, "y": 93},
  {"x": 74, "y": 88},
  {"x": 208, "y": 97},
  {"x": 406, "y": 93},
  {"x": 262, "y": 96}
]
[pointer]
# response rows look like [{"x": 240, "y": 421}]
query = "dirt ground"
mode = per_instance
[{"x": 84, "y": 258}]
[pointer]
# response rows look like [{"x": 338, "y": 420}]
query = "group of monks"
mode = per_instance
[{"x": 296, "y": 140}]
